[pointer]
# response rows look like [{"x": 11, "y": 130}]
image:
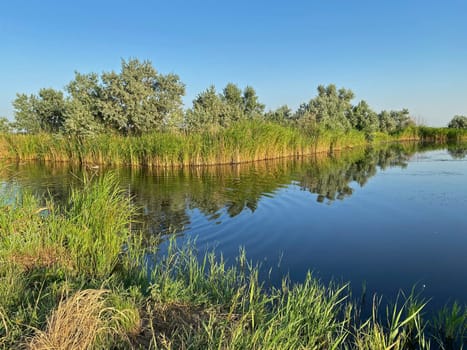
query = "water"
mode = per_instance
[{"x": 387, "y": 218}]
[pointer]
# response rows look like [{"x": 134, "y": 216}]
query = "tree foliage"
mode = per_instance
[
  {"x": 458, "y": 122},
  {"x": 330, "y": 110},
  {"x": 5, "y": 126},
  {"x": 212, "y": 111},
  {"x": 83, "y": 115},
  {"x": 134, "y": 101},
  {"x": 364, "y": 118},
  {"x": 138, "y": 100},
  {"x": 282, "y": 115},
  {"x": 45, "y": 112},
  {"x": 395, "y": 121}
]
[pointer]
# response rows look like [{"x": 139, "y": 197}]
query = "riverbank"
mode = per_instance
[
  {"x": 75, "y": 276},
  {"x": 243, "y": 142}
]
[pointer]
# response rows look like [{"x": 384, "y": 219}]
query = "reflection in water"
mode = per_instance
[
  {"x": 403, "y": 227},
  {"x": 165, "y": 195},
  {"x": 458, "y": 151}
]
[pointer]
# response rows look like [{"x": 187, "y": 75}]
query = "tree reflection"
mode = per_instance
[
  {"x": 166, "y": 197},
  {"x": 458, "y": 151}
]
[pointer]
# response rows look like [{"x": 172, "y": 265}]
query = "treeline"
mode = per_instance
[{"x": 139, "y": 100}]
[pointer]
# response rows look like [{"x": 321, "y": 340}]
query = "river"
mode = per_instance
[{"x": 384, "y": 219}]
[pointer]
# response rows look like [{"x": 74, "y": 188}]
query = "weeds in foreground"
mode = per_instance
[{"x": 77, "y": 277}]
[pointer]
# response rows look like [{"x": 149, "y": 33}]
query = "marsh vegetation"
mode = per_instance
[
  {"x": 136, "y": 117},
  {"x": 76, "y": 275}
]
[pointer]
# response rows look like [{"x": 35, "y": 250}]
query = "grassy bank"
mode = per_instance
[
  {"x": 243, "y": 142},
  {"x": 442, "y": 134},
  {"x": 75, "y": 276}
]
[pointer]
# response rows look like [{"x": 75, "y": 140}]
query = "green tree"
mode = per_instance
[
  {"x": 50, "y": 108},
  {"x": 331, "y": 109},
  {"x": 83, "y": 116},
  {"x": 395, "y": 121},
  {"x": 403, "y": 119},
  {"x": 212, "y": 111},
  {"x": 282, "y": 115},
  {"x": 386, "y": 122},
  {"x": 138, "y": 99},
  {"x": 234, "y": 107},
  {"x": 5, "y": 125},
  {"x": 232, "y": 95},
  {"x": 169, "y": 91},
  {"x": 80, "y": 121},
  {"x": 207, "y": 112},
  {"x": 26, "y": 119},
  {"x": 252, "y": 107},
  {"x": 364, "y": 118},
  {"x": 458, "y": 122},
  {"x": 45, "y": 112},
  {"x": 304, "y": 118}
]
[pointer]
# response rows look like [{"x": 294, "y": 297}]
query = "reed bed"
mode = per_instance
[
  {"x": 77, "y": 276},
  {"x": 243, "y": 142}
]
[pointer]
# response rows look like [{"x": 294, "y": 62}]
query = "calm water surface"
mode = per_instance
[{"x": 388, "y": 218}]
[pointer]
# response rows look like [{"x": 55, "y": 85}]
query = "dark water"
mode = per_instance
[{"x": 390, "y": 218}]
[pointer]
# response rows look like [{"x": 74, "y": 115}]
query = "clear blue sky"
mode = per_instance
[{"x": 394, "y": 54}]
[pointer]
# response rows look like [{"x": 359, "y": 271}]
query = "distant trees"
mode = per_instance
[
  {"x": 282, "y": 115},
  {"x": 395, "y": 121},
  {"x": 138, "y": 100},
  {"x": 332, "y": 110},
  {"x": 44, "y": 112},
  {"x": 5, "y": 125},
  {"x": 212, "y": 111},
  {"x": 134, "y": 101},
  {"x": 84, "y": 116},
  {"x": 458, "y": 122},
  {"x": 363, "y": 118}
]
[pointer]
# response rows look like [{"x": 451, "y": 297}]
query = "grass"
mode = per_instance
[
  {"x": 76, "y": 276},
  {"x": 243, "y": 142}
]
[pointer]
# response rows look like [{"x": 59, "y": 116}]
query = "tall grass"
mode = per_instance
[
  {"x": 243, "y": 142},
  {"x": 442, "y": 134},
  {"x": 77, "y": 277}
]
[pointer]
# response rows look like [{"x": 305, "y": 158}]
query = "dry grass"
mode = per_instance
[
  {"x": 41, "y": 257},
  {"x": 162, "y": 322},
  {"x": 78, "y": 323}
]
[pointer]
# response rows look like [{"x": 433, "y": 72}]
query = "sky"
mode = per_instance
[{"x": 393, "y": 54}]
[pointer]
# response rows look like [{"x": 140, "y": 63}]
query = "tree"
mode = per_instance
[
  {"x": 80, "y": 120},
  {"x": 386, "y": 122},
  {"x": 232, "y": 95},
  {"x": 331, "y": 108},
  {"x": 84, "y": 117},
  {"x": 364, "y": 118},
  {"x": 458, "y": 122},
  {"x": 45, "y": 112},
  {"x": 304, "y": 118},
  {"x": 207, "y": 113},
  {"x": 234, "y": 107},
  {"x": 50, "y": 108},
  {"x": 252, "y": 107},
  {"x": 26, "y": 119},
  {"x": 212, "y": 111},
  {"x": 403, "y": 119},
  {"x": 169, "y": 91},
  {"x": 281, "y": 115},
  {"x": 5, "y": 126},
  {"x": 138, "y": 99},
  {"x": 395, "y": 121}
]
